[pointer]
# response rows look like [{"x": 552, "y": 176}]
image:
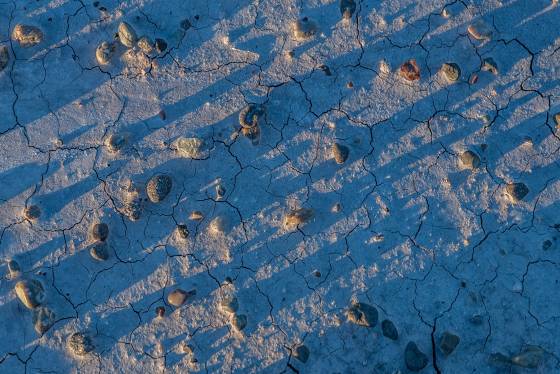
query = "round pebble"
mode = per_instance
[
  {"x": 304, "y": 28},
  {"x": 389, "y": 330},
  {"x": 26, "y": 35},
  {"x": 229, "y": 304},
  {"x": 239, "y": 321},
  {"x": 178, "y": 297},
  {"x": 32, "y": 212},
  {"x": 470, "y": 160},
  {"x": 79, "y": 344},
  {"x": 127, "y": 35},
  {"x": 517, "y": 191},
  {"x": 30, "y": 292},
  {"x": 448, "y": 343},
  {"x": 4, "y": 57},
  {"x": 43, "y": 319},
  {"x": 158, "y": 187},
  {"x": 415, "y": 359},
  {"x": 104, "y": 52},
  {"x": 301, "y": 352},
  {"x": 410, "y": 71},
  {"x": 363, "y": 314},
  {"x": 451, "y": 71},
  {"x": 100, "y": 231},
  {"x": 340, "y": 153},
  {"x": 99, "y": 251}
]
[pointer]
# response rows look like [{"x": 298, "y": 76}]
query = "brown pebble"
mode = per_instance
[{"x": 410, "y": 70}]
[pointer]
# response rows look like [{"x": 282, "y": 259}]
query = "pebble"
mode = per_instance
[
  {"x": 196, "y": 215},
  {"x": 488, "y": 64},
  {"x": 185, "y": 24},
  {"x": 347, "y": 8},
  {"x": 239, "y": 321},
  {"x": 304, "y": 28},
  {"x": 389, "y": 329},
  {"x": 116, "y": 142},
  {"x": 546, "y": 245},
  {"x": 470, "y": 160},
  {"x": 160, "y": 311},
  {"x": 127, "y": 35},
  {"x": 14, "y": 268},
  {"x": 251, "y": 115},
  {"x": 30, "y": 292},
  {"x": 99, "y": 251},
  {"x": 178, "y": 297},
  {"x": 480, "y": 30},
  {"x": 363, "y": 314},
  {"x": 414, "y": 359},
  {"x": 451, "y": 71},
  {"x": 517, "y": 191},
  {"x": 4, "y": 57},
  {"x": 340, "y": 153},
  {"x": 104, "y": 52},
  {"x": 79, "y": 344},
  {"x": 158, "y": 187},
  {"x": 298, "y": 216},
  {"x": 133, "y": 208},
  {"x": 410, "y": 71},
  {"x": 301, "y": 352},
  {"x": 229, "y": 304},
  {"x": 27, "y": 36},
  {"x": 100, "y": 231},
  {"x": 189, "y": 147},
  {"x": 220, "y": 191},
  {"x": 43, "y": 319},
  {"x": 145, "y": 45},
  {"x": 182, "y": 231},
  {"x": 476, "y": 319},
  {"x": 448, "y": 343},
  {"x": 32, "y": 212},
  {"x": 161, "y": 45},
  {"x": 530, "y": 357}
]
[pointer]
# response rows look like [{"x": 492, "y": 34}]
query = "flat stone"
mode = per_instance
[
  {"x": 340, "y": 153},
  {"x": 43, "y": 319},
  {"x": 389, "y": 329},
  {"x": 414, "y": 359},
  {"x": 301, "y": 352},
  {"x": 517, "y": 191},
  {"x": 363, "y": 314},
  {"x": 448, "y": 343},
  {"x": 79, "y": 344},
  {"x": 30, "y": 292},
  {"x": 189, "y": 147},
  {"x": 178, "y": 297}
]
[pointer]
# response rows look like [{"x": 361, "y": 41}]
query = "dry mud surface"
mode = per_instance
[{"x": 154, "y": 229}]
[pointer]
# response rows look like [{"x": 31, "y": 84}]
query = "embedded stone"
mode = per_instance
[
  {"x": 43, "y": 319},
  {"x": 189, "y": 147},
  {"x": 363, "y": 314},
  {"x": 161, "y": 45},
  {"x": 488, "y": 64},
  {"x": 480, "y": 30},
  {"x": 340, "y": 153},
  {"x": 158, "y": 187},
  {"x": 100, "y": 231},
  {"x": 116, "y": 142},
  {"x": 99, "y": 251},
  {"x": 229, "y": 304},
  {"x": 145, "y": 45},
  {"x": 414, "y": 359},
  {"x": 104, "y": 52},
  {"x": 301, "y": 352},
  {"x": 182, "y": 231},
  {"x": 451, "y": 71},
  {"x": 530, "y": 357},
  {"x": 14, "y": 268},
  {"x": 30, "y": 292},
  {"x": 389, "y": 329},
  {"x": 448, "y": 343},
  {"x": 298, "y": 216},
  {"x": 516, "y": 191},
  {"x": 410, "y": 71},
  {"x": 26, "y": 35},
  {"x": 80, "y": 344},
  {"x": 239, "y": 321},
  {"x": 178, "y": 297},
  {"x": 32, "y": 212},
  {"x": 470, "y": 160},
  {"x": 347, "y": 8}
]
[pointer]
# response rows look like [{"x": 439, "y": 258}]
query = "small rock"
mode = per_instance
[
  {"x": 185, "y": 24},
  {"x": 158, "y": 187},
  {"x": 133, "y": 208},
  {"x": 220, "y": 191},
  {"x": 160, "y": 311},
  {"x": 239, "y": 321},
  {"x": 145, "y": 45},
  {"x": 340, "y": 153},
  {"x": 178, "y": 297},
  {"x": 4, "y": 57},
  {"x": 32, "y": 212},
  {"x": 27, "y": 36},
  {"x": 99, "y": 251},
  {"x": 251, "y": 116},
  {"x": 229, "y": 304},
  {"x": 488, "y": 64},
  {"x": 326, "y": 70},
  {"x": 127, "y": 35},
  {"x": 415, "y": 359},
  {"x": 516, "y": 191},
  {"x": 336, "y": 208},
  {"x": 363, "y": 314},
  {"x": 448, "y": 343},
  {"x": 480, "y": 30},
  {"x": 304, "y": 28},
  {"x": 451, "y": 71},
  {"x": 410, "y": 71},
  {"x": 189, "y": 147},
  {"x": 476, "y": 319},
  {"x": 161, "y": 45},
  {"x": 14, "y": 269},
  {"x": 298, "y": 216},
  {"x": 30, "y": 292},
  {"x": 470, "y": 160},
  {"x": 347, "y": 8},
  {"x": 182, "y": 231},
  {"x": 43, "y": 319},
  {"x": 116, "y": 142},
  {"x": 196, "y": 215},
  {"x": 79, "y": 344},
  {"x": 301, "y": 352},
  {"x": 530, "y": 357},
  {"x": 100, "y": 231},
  {"x": 546, "y": 245},
  {"x": 389, "y": 329},
  {"x": 162, "y": 115},
  {"x": 104, "y": 52}
]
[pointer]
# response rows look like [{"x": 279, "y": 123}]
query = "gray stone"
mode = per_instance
[
  {"x": 301, "y": 352},
  {"x": 389, "y": 330},
  {"x": 415, "y": 359},
  {"x": 363, "y": 314},
  {"x": 517, "y": 191},
  {"x": 30, "y": 292},
  {"x": 470, "y": 159},
  {"x": 178, "y": 297},
  {"x": 79, "y": 344},
  {"x": 158, "y": 187},
  {"x": 448, "y": 343},
  {"x": 43, "y": 319}
]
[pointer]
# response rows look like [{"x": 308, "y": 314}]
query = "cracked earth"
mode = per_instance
[{"x": 436, "y": 244}]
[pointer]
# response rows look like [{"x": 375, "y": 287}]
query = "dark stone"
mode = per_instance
[
  {"x": 363, "y": 314},
  {"x": 415, "y": 359},
  {"x": 301, "y": 353},
  {"x": 161, "y": 45},
  {"x": 389, "y": 330},
  {"x": 448, "y": 343}
]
